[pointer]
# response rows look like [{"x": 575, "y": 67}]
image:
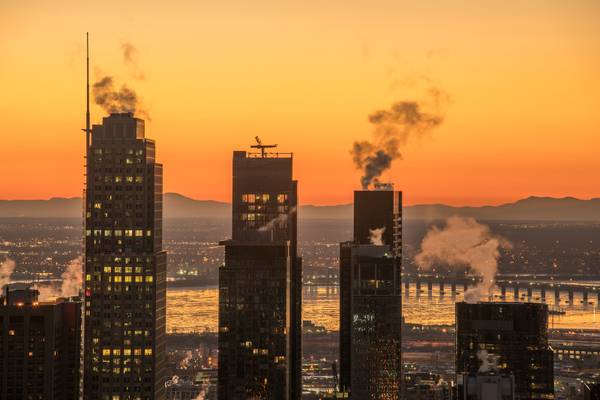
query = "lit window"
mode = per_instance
[
  {"x": 281, "y": 198},
  {"x": 128, "y": 270},
  {"x": 137, "y": 352},
  {"x": 149, "y": 278},
  {"x": 107, "y": 269},
  {"x": 88, "y": 277},
  {"x": 138, "y": 279},
  {"x": 107, "y": 232},
  {"x": 11, "y": 332},
  {"x": 106, "y": 352},
  {"x": 147, "y": 352},
  {"x": 127, "y": 278},
  {"x": 117, "y": 278},
  {"x": 139, "y": 179},
  {"x": 139, "y": 233},
  {"x": 118, "y": 232},
  {"x": 118, "y": 270},
  {"x": 148, "y": 233},
  {"x": 97, "y": 205},
  {"x": 129, "y": 232},
  {"x": 118, "y": 179},
  {"x": 117, "y": 352},
  {"x": 130, "y": 179},
  {"x": 126, "y": 352}
]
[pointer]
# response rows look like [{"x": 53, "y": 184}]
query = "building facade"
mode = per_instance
[
  {"x": 41, "y": 346},
  {"x": 125, "y": 266},
  {"x": 516, "y": 334},
  {"x": 260, "y": 283},
  {"x": 370, "y": 298}
]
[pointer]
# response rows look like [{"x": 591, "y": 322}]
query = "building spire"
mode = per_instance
[{"x": 87, "y": 91}]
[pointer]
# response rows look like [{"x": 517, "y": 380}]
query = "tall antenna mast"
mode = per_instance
[{"x": 87, "y": 92}]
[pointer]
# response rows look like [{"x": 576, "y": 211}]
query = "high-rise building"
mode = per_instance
[
  {"x": 370, "y": 298},
  {"x": 260, "y": 283},
  {"x": 516, "y": 335},
  {"x": 40, "y": 348},
  {"x": 591, "y": 391},
  {"x": 486, "y": 386},
  {"x": 125, "y": 266}
]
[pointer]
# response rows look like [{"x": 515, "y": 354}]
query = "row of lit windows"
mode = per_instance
[
  {"x": 252, "y": 198},
  {"x": 118, "y": 232},
  {"x": 124, "y": 260},
  {"x": 119, "y": 178},
  {"x": 127, "y": 352},
  {"x": 108, "y": 150},
  {"x": 125, "y": 278}
]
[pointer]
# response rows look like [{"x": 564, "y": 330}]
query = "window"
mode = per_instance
[
  {"x": 139, "y": 233},
  {"x": 149, "y": 278},
  {"x": 128, "y": 232},
  {"x": 98, "y": 205}
]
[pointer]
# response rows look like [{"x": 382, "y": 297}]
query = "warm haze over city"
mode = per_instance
[{"x": 517, "y": 83}]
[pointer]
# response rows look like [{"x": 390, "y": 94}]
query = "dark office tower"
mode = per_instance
[
  {"x": 260, "y": 284},
  {"x": 515, "y": 333},
  {"x": 125, "y": 266},
  {"x": 370, "y": 298},
  {"x": 40, "y": 347}
]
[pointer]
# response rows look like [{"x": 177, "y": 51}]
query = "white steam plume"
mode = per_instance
[
  {"x": 376, "y": 236},
  {"x": 464, "y": 242},
  {"x": 489, "y": 362},
  {"x": 7, "y": 267},
  {"x": 278, "y": 221},
  {"x": 72, "y": 278}
]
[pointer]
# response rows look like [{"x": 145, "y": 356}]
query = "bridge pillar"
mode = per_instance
[
  {"x": 406, "y": 286},
  {"x": 503, "y": 291},
  {"x": 543, "y": 293},
  {"x": 429, "y": 285},
  {"x": 442, "y": 288},
  {"x": 516, "y": 292},
  {"x": 529, "y": 292},
  {"x": 465, "y": 287},
  {"x": 418, "y": 288},
  {"x": 585, "y": 297},
  {"x": 571, "y": 296},
  {"x": 557, "y": 295},
  {"x": 453, "y": 287}
]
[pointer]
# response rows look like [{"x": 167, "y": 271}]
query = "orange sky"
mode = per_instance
[{"x": 523, "y": 76}]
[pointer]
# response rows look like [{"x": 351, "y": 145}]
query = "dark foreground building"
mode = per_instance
[
  {"x": 370, "y": 298},
  {"x": 41, "y": 346},
  {"x": 125, "y": 266},
  {"x": 517, "y": 334},
  {"x": 260, "y": 283}
]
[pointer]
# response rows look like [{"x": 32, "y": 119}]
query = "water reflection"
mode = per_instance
[{"x": 196, "y": 310}]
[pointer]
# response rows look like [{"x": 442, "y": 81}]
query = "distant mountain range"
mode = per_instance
[{"x": 178, "y": 206}]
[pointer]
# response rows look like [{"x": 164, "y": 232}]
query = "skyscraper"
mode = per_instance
[
  {"x": 370, "y": 298},
  {"x": 516, "y": 334},
  {"x": 41, "y": 346},
  {"x": 260, "y": 283},
  {"x": 125, "y": 266}
]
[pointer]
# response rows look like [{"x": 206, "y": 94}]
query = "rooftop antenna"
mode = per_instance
[
  {"x": 87, "y": 91},
  {"x": 261, "y": 146}
]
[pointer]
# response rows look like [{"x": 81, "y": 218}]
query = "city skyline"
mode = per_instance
[{"x": 538, "y": 144}]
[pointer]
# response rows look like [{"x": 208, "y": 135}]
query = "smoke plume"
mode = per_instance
[
  {"x": 376, "y": 236},
  {"x": 7, "y": 267},
  {"x": 113, "y": 99},
  {"x": 72, "y": 282},
  {"x": 130, "y": 53},
  {"x": 464, "y": 242},
  {"x": 391, "y": 130},
  {"x": 278, "y": 221},
  {"x": 489, "y": 362},
  {"x": 72, "y": 278}
]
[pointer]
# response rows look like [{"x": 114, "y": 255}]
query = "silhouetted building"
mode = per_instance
[
  {"x": 125, "y": 266},
  {"x": 260, "y": 283},
  {"x": 517, "y": 335},
  {"x": 41, "y": 346},
  {"x": 591, "y": 391},
  {"x": 426, "y": 386},
  {"x": 370, "y": 298},
  {"x": 486, "y": 387}
]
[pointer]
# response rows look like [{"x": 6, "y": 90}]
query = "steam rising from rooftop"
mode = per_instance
[
  {"x": 114, "y": 99},
  {"x": 7, "y": 267},
  {"x": 376, "y": 236},
  {"x": 464, "y": 242},
  {"x": 392, "y": 129}
]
